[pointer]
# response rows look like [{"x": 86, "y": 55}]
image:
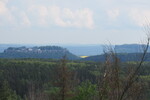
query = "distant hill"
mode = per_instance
[
  {"x": 124, "y": 57},
  {"x": 53, "y": 52},
  {"x": 85, "y": 50},
  {"x": 91, "y": 50},
  {"x": 129, "y": 48},
  {"x": 79, "y": 50}
]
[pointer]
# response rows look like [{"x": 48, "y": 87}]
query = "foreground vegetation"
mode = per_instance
[{"x": 45, "y": 79}]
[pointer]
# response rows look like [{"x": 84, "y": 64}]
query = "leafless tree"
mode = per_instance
[
  {"x": 64, "y": 80},
  {"x": 113, "y": 86}
]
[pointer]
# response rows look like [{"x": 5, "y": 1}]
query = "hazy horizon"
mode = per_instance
[
  {"x": 66, "y": 44},
  {"x": 79, "y": 49}
]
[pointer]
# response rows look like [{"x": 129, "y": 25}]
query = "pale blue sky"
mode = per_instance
[{"x": 73, "y": 21}]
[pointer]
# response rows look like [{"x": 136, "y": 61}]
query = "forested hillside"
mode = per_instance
[
  {"x": 123, "y": 57},
  {"x": 25, "y": 79}
]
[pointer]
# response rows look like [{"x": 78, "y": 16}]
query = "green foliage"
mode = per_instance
[
  {"x": 50, "y": 89},
  {"x": 146, "y": 77},
  {"x": 7, "y": 94},
  {"x": 86, "y": 91}
]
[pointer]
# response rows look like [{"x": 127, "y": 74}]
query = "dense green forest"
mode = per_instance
[{"x": 45, "y": 79}]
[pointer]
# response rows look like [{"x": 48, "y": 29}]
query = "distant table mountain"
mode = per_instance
[
  {"x": 129, "y": 48},
  {"x": 53, "y": 52}
]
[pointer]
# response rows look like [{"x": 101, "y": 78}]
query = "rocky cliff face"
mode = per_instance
[{"x": 43, "y": 49}]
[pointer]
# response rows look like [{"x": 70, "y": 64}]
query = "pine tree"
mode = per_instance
[{"x": 7, "y": 94}]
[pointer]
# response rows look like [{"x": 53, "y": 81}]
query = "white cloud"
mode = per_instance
[
  {"x": 5, "y": 1},
  {"x": 44, "y": 15},
  {"x": 113, "y": 14},
  {"x": 13, "y": 9},
  {"x": 139, "y": 16},
  {"x": 68, "y": 18},
  {"x": 63, "y": 17},
  {"x": 5, "y": 13},
  {"x": 25, "y": 20},
  {"x": 43, "y": 11},
  {"x": 3, "y": 8},
  {"x": 40, "y": 13},
  {"x": 55, "y": 14}
]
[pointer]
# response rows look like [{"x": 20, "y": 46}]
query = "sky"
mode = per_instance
[{"x": 73, "y": 21}]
